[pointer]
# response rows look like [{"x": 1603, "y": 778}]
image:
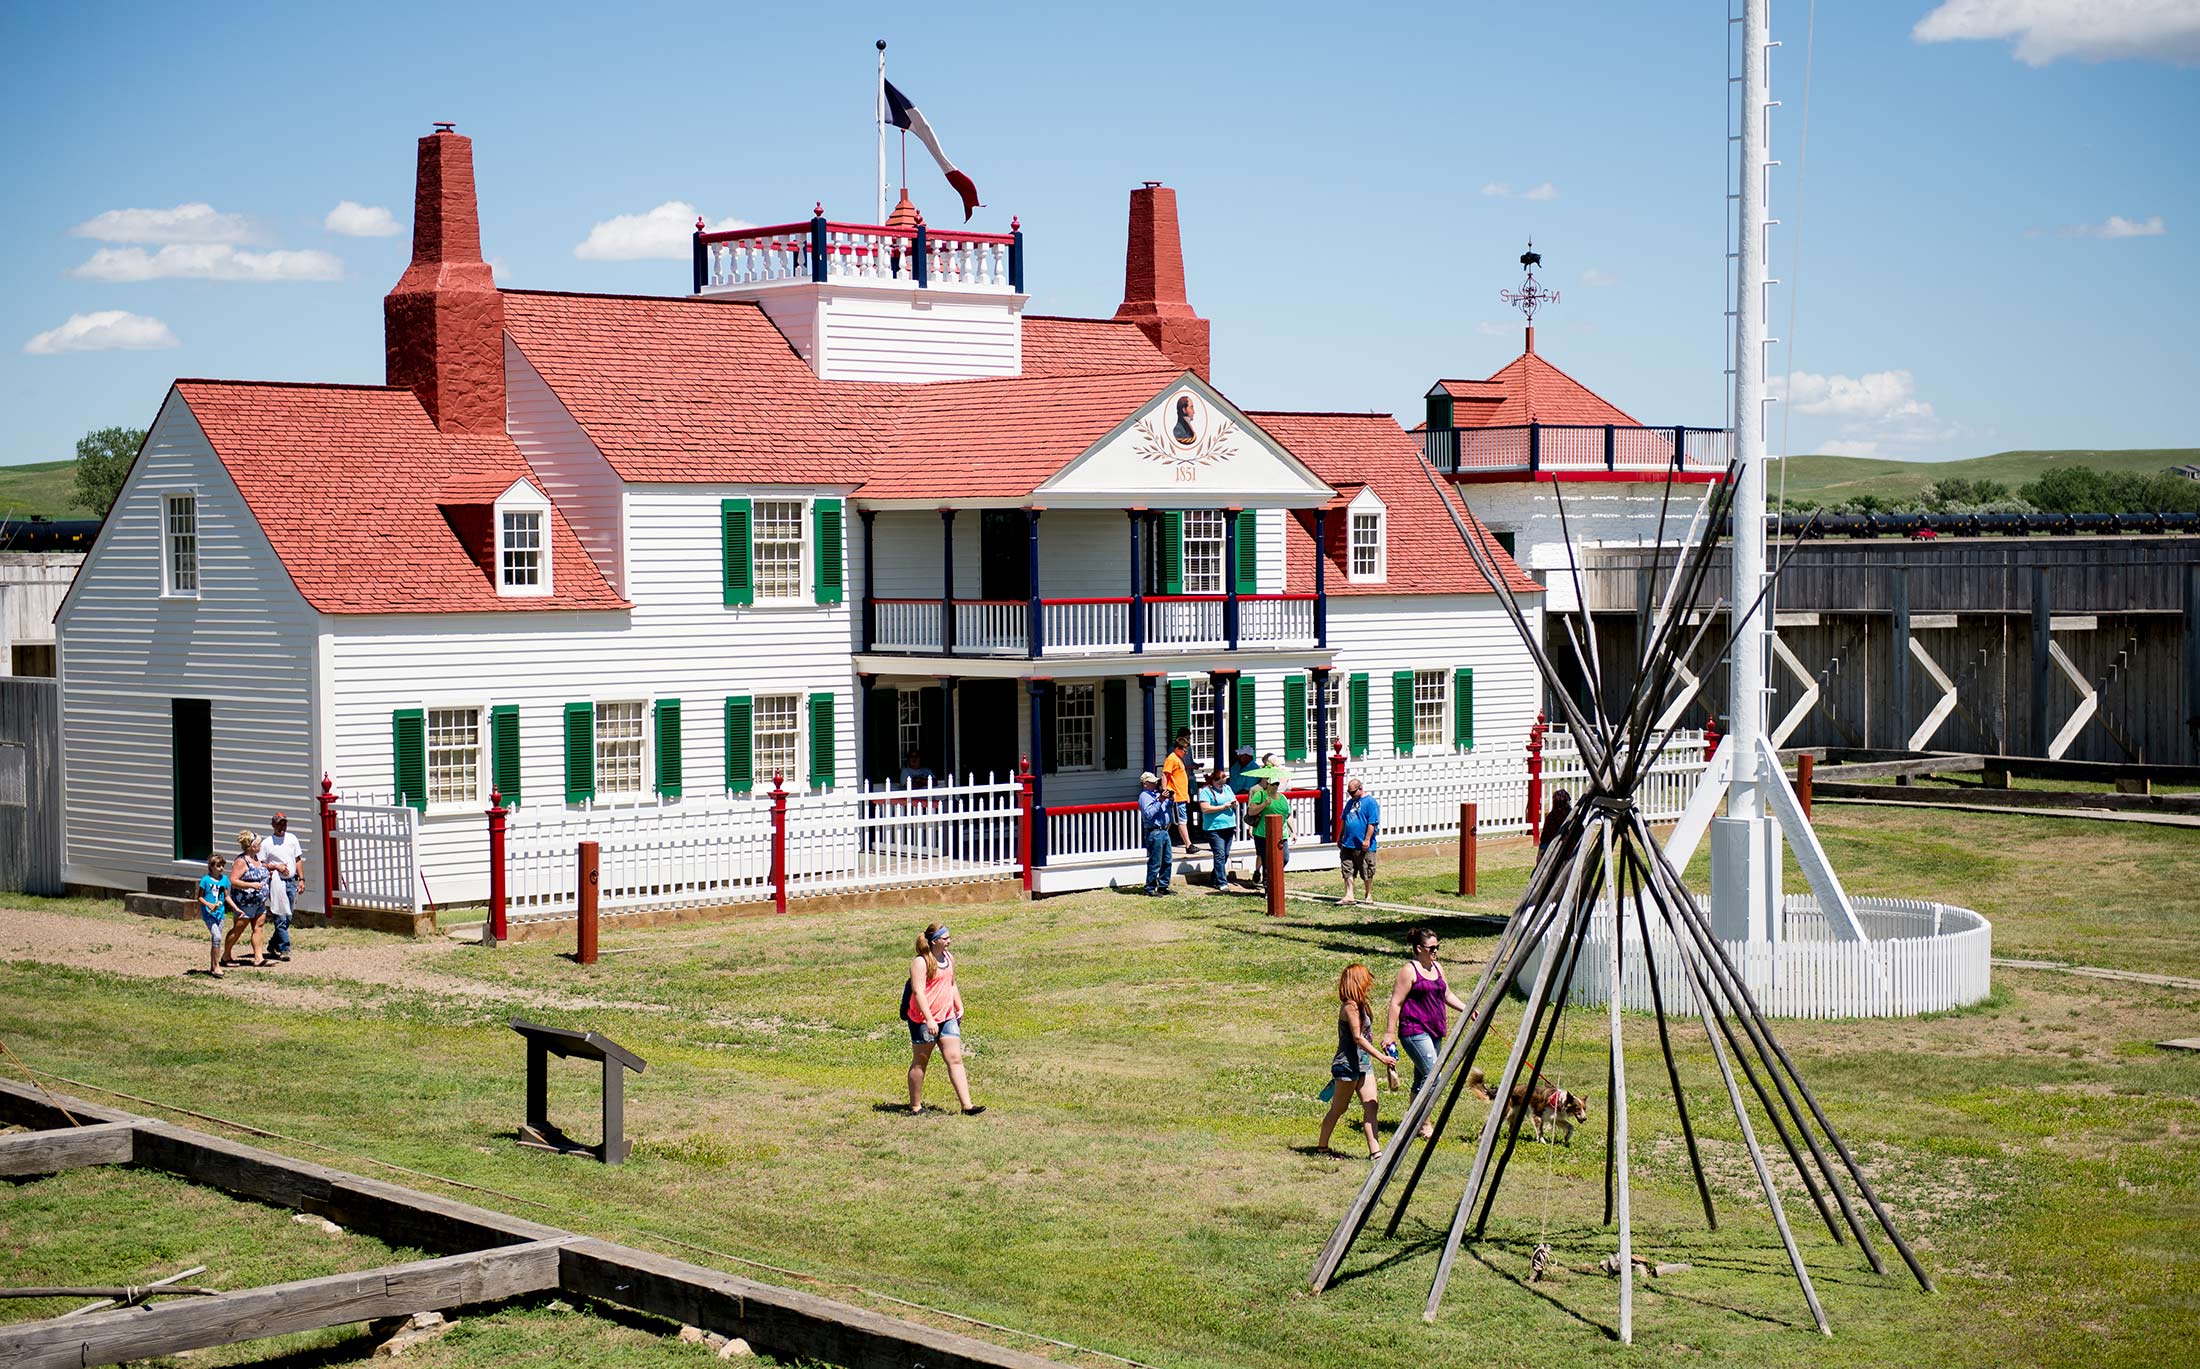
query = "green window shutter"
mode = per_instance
[
  {"x": 1462, "y": 709},
  {"x": 1115, "y": 725},
  {"x": 825, "y": 513},
  {"x": 1248, "y": 552},
  {"x": 580, "y": 752},
  {"x": 1294, "y": 717},
  {"x": 1248, "y": 725},
  {"x": 1357, "y": 689},
  {"x": 1401, "y": 711},
  {"x": 736, "y": 553},
  {"x": 504, "y": 765},
  {"x": 1180, "y": 709},
  {"x": 668, "y": 748},
  {"x": 1172, "y": 552},
  {"x": 821, "y": 741},
  {"x": 409, "y": 756},
  {"x": 740, "y": 744}
]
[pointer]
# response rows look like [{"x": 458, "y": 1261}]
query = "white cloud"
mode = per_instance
[
  {"x": 1876, "y": 396},
  {"x": 351, "y": 219},
  {"x": 184, "y": 223},
  {"x": 1593, "y": 276},
  {"x": 1497, "y": 190},
  {"x": 2042, "y": 31},
  {"x": 208, "y": 261},
  {"x": 1845, "y": 447},
  {"x": 665, "y": 233},
  {"x": 2117, "y": 226},
  {"x": 108, "y": 330},
  {"x": 1545, "y": 191}
]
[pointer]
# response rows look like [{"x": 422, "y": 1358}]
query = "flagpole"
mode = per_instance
[{"x": 879, "y": 112}]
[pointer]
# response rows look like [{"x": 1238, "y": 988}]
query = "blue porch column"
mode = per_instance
[
  {"x": 1138, "y": 604},
  {"x": 1321, "y": 566},
  {"x": 1321, "y": 747},
  {"x": 865, "y": 704},
  {"x": 1229, "y": 576},
  {"x": 870, "y": 608},
  {"x": 947, "y": 731},
  {"x": 1218, "y": 684},
  {"x": 947, "y": 582},
  {"x": 1041, "y": 748},
  {"x": 1035, "y": 635},
  {"x": 1145, "y": 715}
]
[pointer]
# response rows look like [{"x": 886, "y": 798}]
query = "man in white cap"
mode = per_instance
[{"x": 1155, "y": 817}]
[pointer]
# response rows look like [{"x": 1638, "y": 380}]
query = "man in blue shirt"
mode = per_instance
[
  {"x": 1155, "y": 816},
  {"x": 1356, "y": 843},
  {"x": 1240, "y": 781}
]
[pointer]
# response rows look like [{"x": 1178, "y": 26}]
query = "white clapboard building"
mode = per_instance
[{"x": 840, "y": 502}]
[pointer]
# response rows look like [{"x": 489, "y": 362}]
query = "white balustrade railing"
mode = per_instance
[
  {"x": 865, "y": 252},
  {"x": 1272, "y": 620},
  {"x": 905, "y": 624},
  {"x": 378, "y": 856},
  {"x": 991, "y": 627},
  {"x": 855, "y": 252},
  {"x": 1093, "y": 831},
  {"x": 1072, "y": 627},
  {"x": 1574, "y": 447},
  {"x": 966, "y": 259},
  {"x": 758, "y": 256},
  {"x": 1191, "y": 622}
]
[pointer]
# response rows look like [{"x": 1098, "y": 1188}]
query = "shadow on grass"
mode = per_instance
[{"x": 1383, "y": 937}]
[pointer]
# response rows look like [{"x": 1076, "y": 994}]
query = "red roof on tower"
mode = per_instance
[{"x": 1528, "y": 390}]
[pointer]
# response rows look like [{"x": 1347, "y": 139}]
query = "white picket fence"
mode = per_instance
[
  {"x": 1097, "y": 832},
  {"x": 378, "y": 856},
  {"x": 1420, "y": 795},
  {"x": 1921, "y": 957},
  {"x": 717, "y": 851}
]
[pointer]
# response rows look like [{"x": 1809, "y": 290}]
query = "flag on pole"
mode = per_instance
[{"x": 902, "y": 113}]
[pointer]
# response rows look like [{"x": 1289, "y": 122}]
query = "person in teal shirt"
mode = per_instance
[
  {"x": 213, "y": 907},
  {"x": 1217, "y": 804}
]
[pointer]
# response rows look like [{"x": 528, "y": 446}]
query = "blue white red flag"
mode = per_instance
[{"x": 903, "y": 114}]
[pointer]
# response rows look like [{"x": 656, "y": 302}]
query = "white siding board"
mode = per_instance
[
  {"x": 567, "y": 465},
  {"x": 247, "y": 643},
  {"x": 1379, "y": 634}
]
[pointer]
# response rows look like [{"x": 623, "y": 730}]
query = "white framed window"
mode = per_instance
[
  {"x": 454, "y": 758},
  {"x": 1326, "y": 694},
  {"x": 180, "y": 538},
  {"x": 1367, "y": 556},
  {"x": 1431, "y": 692},
  {"x": 1203, "y": 551},
  {"x": 1203, "y": 721},
  {"x": 777, "y": 540},
  {"x": 777, "y": 733},
  {"x": 1076, "y": 743},
  {"x": 522, "y": 565},
  {"x": 621, "y": 733},
  {"x": 908, "y": 724}
]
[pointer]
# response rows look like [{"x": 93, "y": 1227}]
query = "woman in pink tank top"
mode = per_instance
[
  {"x": 1418, "y": 998},
  {"x": 932, "y": 1006}
]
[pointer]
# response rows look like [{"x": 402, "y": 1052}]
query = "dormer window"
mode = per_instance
[
  {"x": 522, "y": 552},
  {"x": 1366, "y": 543}
]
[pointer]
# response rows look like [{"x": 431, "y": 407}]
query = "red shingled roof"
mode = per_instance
[
  {"x": 1352, "y": 451},
  {"x": 1000, "y": 438},
  {"x": 1528, "y": 390},
  {"x": 1081, "y": 346},
  {"x": 343, "y": 479}
]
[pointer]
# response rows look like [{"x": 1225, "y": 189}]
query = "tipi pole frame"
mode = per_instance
[
  {"x": 1616, "y": 1108},
  {"x": 1665, "y": 1046}
]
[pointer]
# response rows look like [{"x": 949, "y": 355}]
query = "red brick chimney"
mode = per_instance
[
  {"x": 1153, "y": 281},
  {"x": 443, "y": 324}
]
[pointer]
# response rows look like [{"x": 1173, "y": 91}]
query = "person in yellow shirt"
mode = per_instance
[{"x": 1176, "y": 782}]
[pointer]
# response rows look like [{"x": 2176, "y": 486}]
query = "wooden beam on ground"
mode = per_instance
[
  {"x": 1878, "y": 770},
  {"x": 778, "y": 1322},
  {"x": 27, "y": 1105},
  {"x": 50, "y": 1152},
  {"x": 133, "y": 1333},
  {"x": 2183, "y": 804}
]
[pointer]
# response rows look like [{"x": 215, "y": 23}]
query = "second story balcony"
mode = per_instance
[
  {"x": 819, "y": 251},
  {"x": 1566, "y": 451}
]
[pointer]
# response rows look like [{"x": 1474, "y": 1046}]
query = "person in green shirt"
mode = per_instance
[{"x": 1267, "y": 798}]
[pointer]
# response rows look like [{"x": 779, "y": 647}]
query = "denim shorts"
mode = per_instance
[{"x": 925, "y": 1034}]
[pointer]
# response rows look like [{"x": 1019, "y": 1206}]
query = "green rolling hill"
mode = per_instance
[
  {"x": 1831, "y": 479},
  {"x": 41, "y": 487}
]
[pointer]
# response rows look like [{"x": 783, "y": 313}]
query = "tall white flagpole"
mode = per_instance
[{"x": 880, "y": 107}]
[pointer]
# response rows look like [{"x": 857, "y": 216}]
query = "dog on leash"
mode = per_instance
[{"x": 1550, "y": 1107}]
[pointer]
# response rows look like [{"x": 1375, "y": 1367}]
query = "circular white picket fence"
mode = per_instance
[{"x": 1921, "y": 957}]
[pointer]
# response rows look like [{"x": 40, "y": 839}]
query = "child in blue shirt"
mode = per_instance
[{"x": 213, "y": 901}]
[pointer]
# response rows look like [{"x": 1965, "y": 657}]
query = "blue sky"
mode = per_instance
[{"x": 1995, "y": 213}]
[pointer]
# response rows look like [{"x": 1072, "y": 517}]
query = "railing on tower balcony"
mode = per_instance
[
  {"x": 820, "y": 251},
  {"x": 1576, "y": 448}
]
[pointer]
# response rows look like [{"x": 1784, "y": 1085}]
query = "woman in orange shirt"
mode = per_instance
[{"x": 933, "y": 1008}]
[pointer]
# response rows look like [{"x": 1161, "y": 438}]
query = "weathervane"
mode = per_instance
[{"x": 1531, "y": 295}]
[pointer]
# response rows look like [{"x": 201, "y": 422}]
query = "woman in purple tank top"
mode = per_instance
[{"x": 1417, "y": 1003}]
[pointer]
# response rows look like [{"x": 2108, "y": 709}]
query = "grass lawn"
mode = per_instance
[
  {"x": 41, "y": 487},
  {"x": 1831, "y": 479},
  {"x": 1142, "y": 1182}
]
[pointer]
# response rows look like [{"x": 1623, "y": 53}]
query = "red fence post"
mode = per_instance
[
  {"x": 1469, "y": 814},
  {"x": 496, "y": 868},
  {"x": 1024, "y": 815},
  {"x": 779, "y": 843},
  {"x": 1336, "y": 791},
  {"x": 1710, "y": 735},
  {"x": 590, "y": 858},
  {"x": 328, "y": 850},
  {"x": 1535, "y": 780},
  {"x": 1804, "y": 765}
]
